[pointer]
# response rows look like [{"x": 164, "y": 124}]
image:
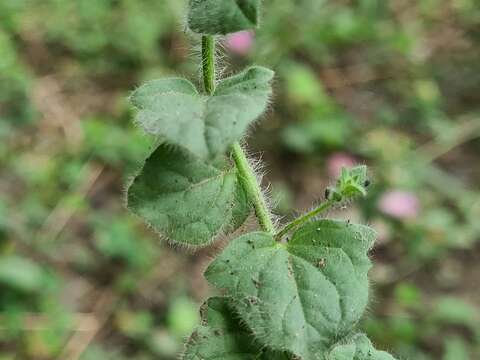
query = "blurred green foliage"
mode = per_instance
[{"x": 393, "y": 84}]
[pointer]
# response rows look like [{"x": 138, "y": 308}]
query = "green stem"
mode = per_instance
[
  {"x": 303, "y": 219},
  {"x": 250, "y": 184},
  {"x": 246, "y": 176},
  {"x": 208, "y": 63}
]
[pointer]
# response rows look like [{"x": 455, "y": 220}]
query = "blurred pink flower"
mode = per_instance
[
  {"x": 240, "y": 42},
  {"x": 336, "y": 161},
  {"x": 399, "y": 204}
]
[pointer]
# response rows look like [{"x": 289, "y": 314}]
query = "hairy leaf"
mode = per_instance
[
  {"x": 358, "y": 348},
  {"x": 182, "y": 198},
  {"x": 146, "y": 96},
  {"x": 222, "y": 16},
  {"x": 221, "y": 336},
  {"x": 242, "y": 208},
  {"x": 302, "y": 296},
  {"x": 205, "y": 125}
]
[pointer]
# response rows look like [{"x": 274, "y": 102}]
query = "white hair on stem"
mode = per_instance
[{"x": 258, "y": 169}]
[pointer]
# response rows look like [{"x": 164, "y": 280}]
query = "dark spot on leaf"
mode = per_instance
[
  {"x": 251, "y": 300},
  {"x": 321, "y": 263}
]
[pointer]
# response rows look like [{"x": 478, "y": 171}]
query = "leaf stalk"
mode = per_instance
[{"x": 327, "y": 204}]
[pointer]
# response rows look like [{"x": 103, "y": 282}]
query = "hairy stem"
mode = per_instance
[
  {"x": 250, "y": 184},
  {"x": 304, "y": 218},
  {"x": 246, "y": 175},
  {"x": 208, "y": 63}
]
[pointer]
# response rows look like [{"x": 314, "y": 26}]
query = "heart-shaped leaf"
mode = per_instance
[
  {"x": 359, "y": 347},
  {"x": 222, "y": 16},
  {"x": 221, "y": 336},
  {"x": 205, "y": 125},
  {"x": 183, "y": 198},
  {"x": 302, "y": 296}
]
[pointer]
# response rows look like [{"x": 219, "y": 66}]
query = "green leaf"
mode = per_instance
[
  {"x": 172, "y": 109},
  {"x": 146, "y": 96},
  {"x": 21, "y": 274},
  {"x": 358, "y": 348},
  {"x": 303, "y": 296},
  {"x": 205, "y": 125},
  {"x": 183, "y": 198},
  {"x": 221, "y": 336},
  {"x": 241, "y": 209},
  {"x": 222, "y": 16}
]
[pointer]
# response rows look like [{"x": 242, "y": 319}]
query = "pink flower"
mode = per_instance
[
  {"x": 240, "y": 42},
  {"x": 336, "y": 161},
  {"x": 399, "y": 204}
]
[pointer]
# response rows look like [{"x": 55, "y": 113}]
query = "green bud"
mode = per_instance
[{"x": 353, "y": 182}]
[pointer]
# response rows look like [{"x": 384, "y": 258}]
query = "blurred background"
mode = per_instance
[{"x": 391, "y": 84}]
